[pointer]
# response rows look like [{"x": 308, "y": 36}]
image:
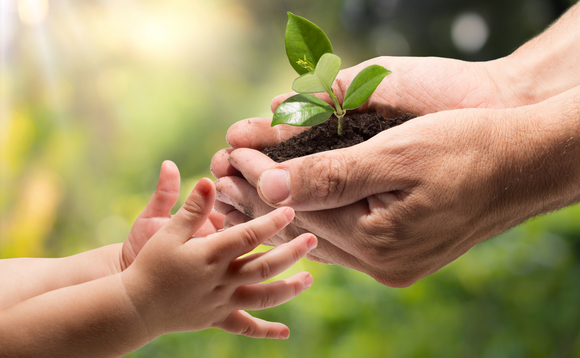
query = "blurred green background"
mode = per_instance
[{"x": 95, "y": 94}]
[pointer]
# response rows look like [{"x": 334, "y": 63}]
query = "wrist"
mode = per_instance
[
  {"x": 517, "y": 80},
  {"x": 546, "y": 143},
  {"x": 93, "y": 264},
  {"x": 138, "y": 291},
  {"x": 545, "y": 66}
]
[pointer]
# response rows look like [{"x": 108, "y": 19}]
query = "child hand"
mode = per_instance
[
  {"x": 158, "y": 212},
  {"x": 180, "y": 283}
]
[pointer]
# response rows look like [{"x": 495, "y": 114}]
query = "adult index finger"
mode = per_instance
[{"x": 257, "y": 133}]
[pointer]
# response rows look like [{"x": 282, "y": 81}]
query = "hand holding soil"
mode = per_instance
[
  {"x": 497, "y": 143},
  {"x": 414, "y": 198}
]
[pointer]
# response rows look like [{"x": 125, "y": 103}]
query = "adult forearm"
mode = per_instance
[
  {"x": 543, "y": 170},
  {"x": 24, "y": 278},
  {"x": 543, "y": 67},
  {"x": 94, "y": 319}
]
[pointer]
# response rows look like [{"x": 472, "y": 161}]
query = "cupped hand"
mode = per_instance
[
  {"x": 418, "y": 85},
  {"x": 411, "y": 199},
  {"x": 158, "y": 212},
  {"x": 422, "y": 85}
]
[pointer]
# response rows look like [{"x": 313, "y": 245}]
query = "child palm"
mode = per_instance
[{"x": 158, "y": 212}]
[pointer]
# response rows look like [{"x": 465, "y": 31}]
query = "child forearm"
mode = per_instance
[
  {"x": 24, "y": 278},
  {"x": 93, "y": 319}
]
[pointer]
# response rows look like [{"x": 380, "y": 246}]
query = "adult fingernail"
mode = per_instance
[
  {"x": 274, "y": 185},
  {"x": 222, "y": 197}
]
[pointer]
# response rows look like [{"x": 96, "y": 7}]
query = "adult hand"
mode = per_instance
[
  {"x": 445, "y": 84},
  {"x": 422, "y": 85},
  {"x": 417, "y": 85},
  {"x": 414, "y": 198}
]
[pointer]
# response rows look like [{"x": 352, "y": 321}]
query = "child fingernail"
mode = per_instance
[
  {"x": 289, "y": 212},
  {"x": 284, "y": 335},
  {"x": 308, "y": 281},
  {"x": 203, "y": 187},
  {"x": 311, "y": 243}
]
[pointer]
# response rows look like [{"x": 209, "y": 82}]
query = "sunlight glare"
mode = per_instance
[{"x": 32, "y": 12}]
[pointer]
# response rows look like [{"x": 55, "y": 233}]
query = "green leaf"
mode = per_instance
[
  {"x": 305, "y": 42},
  {"x": 363, "y": 86},
  {"x": 302, "y": 110},
  {"x": 322, "y": 78}
]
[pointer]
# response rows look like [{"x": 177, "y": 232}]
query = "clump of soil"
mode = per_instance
[{"x": 356, "y": 128}]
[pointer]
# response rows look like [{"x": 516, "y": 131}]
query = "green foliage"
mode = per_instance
[
  {"x": 303, "y": 111},
  {"x": 363, "y": 85},
  {"x": 305, "y": 43},
  {"x": 321, "y": 79},
  {"x": 310, "y": 54}
]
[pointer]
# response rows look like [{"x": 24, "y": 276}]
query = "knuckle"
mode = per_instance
[
  {"x": 297, "y": 254},
  {"x": 250, "y": 237},
  {"x": 329, "y": 177},
  {"x": 395, "y": 280},
  {"x": 192, "y": 208},
  {"x": 267, "y": 301},
  {"x": 376, "y": 255},
  {"x": 248, "y": 330},
  {"x": 297, "y": 289},
  {"x": 378, "y": 248},
  {"x": 265, "y": 270}
]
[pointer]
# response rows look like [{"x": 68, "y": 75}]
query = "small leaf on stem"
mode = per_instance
[
  {"x": 302, "y": 110},
  {"x": 322, "y": 78},
  {"x": 363, "y": 86},
  {"x": 305, "y": 42}
]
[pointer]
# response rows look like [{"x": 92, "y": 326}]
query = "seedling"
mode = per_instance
[{"x": 310, "y": 53}]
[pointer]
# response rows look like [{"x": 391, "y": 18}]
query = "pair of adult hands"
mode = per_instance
[{"x": 405, "y": 203}]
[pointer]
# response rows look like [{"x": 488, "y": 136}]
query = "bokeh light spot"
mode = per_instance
[{"x": 469, "y": 32}]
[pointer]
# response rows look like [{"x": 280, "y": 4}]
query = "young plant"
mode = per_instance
[{"x": 310, "y": 54}]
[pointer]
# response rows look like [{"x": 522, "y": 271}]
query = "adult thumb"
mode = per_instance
[
  {"x": 194, "y": 212},
  {"x": 323, "y": 181}
]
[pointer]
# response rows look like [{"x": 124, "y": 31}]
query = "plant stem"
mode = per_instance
[{"x": 338, "y": 112}]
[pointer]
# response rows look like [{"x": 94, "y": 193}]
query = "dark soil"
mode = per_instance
[{"x": 356, "y": 128}]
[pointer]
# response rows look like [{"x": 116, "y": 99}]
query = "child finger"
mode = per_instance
[
  {"x": 194, "y": 212},
  {"x": 260, "y": 296},
  {"x": 240, "y": 322},
  {"x": 166, "y": 193},
  {"x": 274, "y": 261},
  {"x": 206, "y": 229},
  {"x": 241, "y": 239},
  {"x": 217, "y": 220}
]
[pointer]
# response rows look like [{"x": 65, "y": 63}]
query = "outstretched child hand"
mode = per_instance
[
  {"x": 158, "y": 212},
  {"x": 183, "y": 283},
  {"x": 178, "y": 282}
]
